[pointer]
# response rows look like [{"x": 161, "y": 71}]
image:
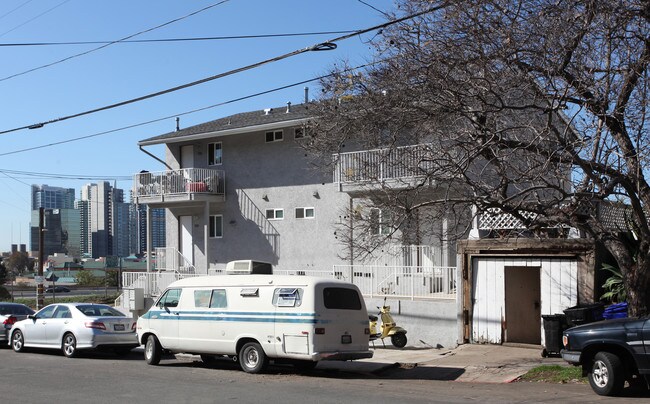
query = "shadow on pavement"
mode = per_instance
[{"x": 334, "y": 370}]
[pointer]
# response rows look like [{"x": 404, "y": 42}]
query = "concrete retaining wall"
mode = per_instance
[{"x": 428, "y": 323}]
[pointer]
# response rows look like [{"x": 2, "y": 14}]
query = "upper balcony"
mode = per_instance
[
  {"x": 179, "y": 186},
  {"x": 397, "y": 167}
]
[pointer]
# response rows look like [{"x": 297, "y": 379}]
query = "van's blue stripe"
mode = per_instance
[{"x": 268, "y": 317}]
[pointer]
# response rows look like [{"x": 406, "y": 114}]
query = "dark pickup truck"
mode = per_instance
[{"x": 610, "y": 353}]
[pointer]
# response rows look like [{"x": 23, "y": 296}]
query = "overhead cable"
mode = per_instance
[
  {"x": 114, "y": 42},
  {"x": 207, "y": 38},
  {"x": 327, "y": 45},
  {"x": 184, "y": 113}
]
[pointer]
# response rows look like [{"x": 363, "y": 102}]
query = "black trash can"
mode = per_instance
[
  {"x": 584, "y": 314},
  {"x": 554, "y": 326}
]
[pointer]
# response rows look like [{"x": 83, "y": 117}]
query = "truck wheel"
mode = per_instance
[
  {"x": 152, "y": 350},
  {"x": 252, "y": 358},
  {"x": 606, "y": 376},
  {"x": 398, "y": 340}
]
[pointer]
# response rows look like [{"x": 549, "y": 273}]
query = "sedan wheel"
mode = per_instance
[
  {"x": 18, "y": 341},
  {"x": 69, "y": 345}
]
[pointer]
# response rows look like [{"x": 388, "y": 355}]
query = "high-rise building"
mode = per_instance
[
  {"x": 139, "y": 228},
  {"x": 104, "y": 221},
  {"x": 61, "y": 220},
  {"x": 47, "y": 197}
]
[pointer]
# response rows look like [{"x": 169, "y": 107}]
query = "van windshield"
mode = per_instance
[{"x": 341, "y": 299}]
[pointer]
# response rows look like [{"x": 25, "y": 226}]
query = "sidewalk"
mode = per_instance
[{"x": 465, "y": 363}]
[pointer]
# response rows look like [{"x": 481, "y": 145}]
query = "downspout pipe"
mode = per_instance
[{"x": 154, "y": 157}]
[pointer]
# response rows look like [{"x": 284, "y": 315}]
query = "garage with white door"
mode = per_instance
[{"x": 509, "y": 285}]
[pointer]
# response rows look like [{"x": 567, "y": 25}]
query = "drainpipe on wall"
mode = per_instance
[{"x": 154, "y": 157}]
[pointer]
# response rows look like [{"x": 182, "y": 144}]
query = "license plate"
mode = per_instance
[
  {"x": 118, "y": 327},
  {"x": 346, "y": 339}
]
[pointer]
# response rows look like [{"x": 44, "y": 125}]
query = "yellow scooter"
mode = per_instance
[{"x": 388, "y": 328}]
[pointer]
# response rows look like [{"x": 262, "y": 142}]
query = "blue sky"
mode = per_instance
[{"x": 124, "y": 71}]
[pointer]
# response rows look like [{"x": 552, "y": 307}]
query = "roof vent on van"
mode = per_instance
[{"x": 245, "y": 267}]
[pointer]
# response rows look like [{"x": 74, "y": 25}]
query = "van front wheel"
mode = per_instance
[
  {"x": 252, "y": 358},
  {"x": 152, "y": 350}
]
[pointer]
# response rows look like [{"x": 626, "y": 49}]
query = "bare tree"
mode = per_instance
[{"x": 535, "y": 109}]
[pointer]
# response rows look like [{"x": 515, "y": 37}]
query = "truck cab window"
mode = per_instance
[{"x": 170, "y": 298}]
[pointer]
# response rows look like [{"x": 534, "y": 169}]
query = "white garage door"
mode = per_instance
[{"x": 558, "y": 291}]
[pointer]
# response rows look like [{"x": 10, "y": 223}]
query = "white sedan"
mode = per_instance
[{"x": 75, "y": 326}]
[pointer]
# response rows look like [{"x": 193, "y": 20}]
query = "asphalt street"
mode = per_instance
[{"x": 37, "y": 376}]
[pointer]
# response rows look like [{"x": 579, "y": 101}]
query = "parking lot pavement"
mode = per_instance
[{"x": 465, "y": 363}]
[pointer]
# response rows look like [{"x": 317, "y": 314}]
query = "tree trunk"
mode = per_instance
[{"x": 637, "y": 283}]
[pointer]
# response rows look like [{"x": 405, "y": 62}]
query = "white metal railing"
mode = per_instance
[
  {"x": 170, "y": 259},
  {"x": 183, "y": 181},
  {"x": 153, "y": 283},
  {"x": 415, "y": 282},
  {"x": 383, "y": 164}
]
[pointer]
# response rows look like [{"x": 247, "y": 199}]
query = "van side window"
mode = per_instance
[
  {"x": 202, "y": 298},
  {"x": 341, "y": 299},
  {"x": 170, "y": 298},
  {"x": 219, "y": 300},
  {"x": 287, "y": 297}
]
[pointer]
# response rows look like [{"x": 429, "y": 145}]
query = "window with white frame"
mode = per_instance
[
  {"x": 304, "y": 213},
  {"x": 274, "y": 136},
  {"x": 275, "y": 214},
  {"x": 380, "y": 221},
  {"x": 216, "y": 226},
  {"x": 215, "y": 154}
]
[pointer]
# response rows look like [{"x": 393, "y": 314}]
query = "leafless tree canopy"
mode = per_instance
[{"x": 536, "y": 108}]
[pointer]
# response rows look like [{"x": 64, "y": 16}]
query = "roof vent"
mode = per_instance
[
  {"x": 244, "y": 267},
  {"x": 288, "y": 107},
  {"x": 267, "y": 111},
  {"x": 178, "y": 124}
]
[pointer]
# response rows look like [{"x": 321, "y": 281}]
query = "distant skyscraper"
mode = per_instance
[
  {"x": 61, "y": 220},
  {"x": 139, "y": 217},
  {"x": 104, "y": 221},
  {"x": 45, "y": 196}
]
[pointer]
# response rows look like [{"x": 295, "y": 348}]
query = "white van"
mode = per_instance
[{"x": 295, "y": 319}]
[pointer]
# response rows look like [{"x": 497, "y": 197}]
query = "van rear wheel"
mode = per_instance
[
  {"x": 152, "y": 350},
  {"x": 252, "y": 358}
]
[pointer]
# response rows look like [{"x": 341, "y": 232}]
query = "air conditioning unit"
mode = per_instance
[{"x": 248, "y": 267}]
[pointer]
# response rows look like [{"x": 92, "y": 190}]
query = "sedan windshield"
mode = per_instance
[{"x": 96, "y": 310}]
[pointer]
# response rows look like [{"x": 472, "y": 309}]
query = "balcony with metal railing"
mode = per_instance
[
  {"x": 176, "y": 186},
  {"x": 399, "y": 166}
]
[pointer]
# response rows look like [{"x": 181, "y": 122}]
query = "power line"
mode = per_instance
[
  {"x": 15, "y": 9},
  {"x": 31, "y": 19},
  {"x": 208, "y": 38},
  {"x": 113, "y": 42},
  {"x": 62, "y": 176},
  {"x": 184, "y": 113},
  {"x": 328, "y": 45}
]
